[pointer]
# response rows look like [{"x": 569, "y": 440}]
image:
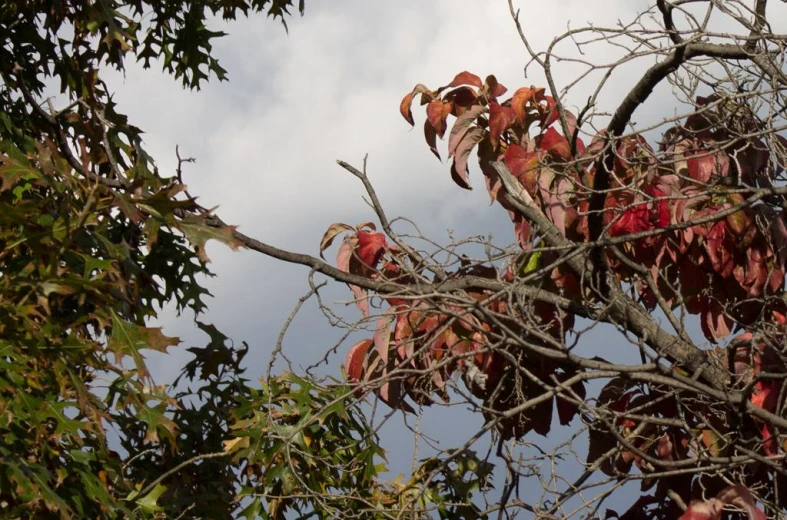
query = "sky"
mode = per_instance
[{"x": 267, "y": 141}]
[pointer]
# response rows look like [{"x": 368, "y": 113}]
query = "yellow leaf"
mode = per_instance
[{"x": 235, "y": 444}]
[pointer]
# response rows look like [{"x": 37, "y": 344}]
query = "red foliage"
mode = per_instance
[
  {"x": 701, "y": 247},
  {"x": 736, "y": 495}
]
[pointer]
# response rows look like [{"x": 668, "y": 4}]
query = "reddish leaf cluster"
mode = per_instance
[
  {"x": 713, "y": 266},
  {"x": 676, "y": 228},
  {"x": 712, "y": 509},
  {"x": 419, "y": 345}
]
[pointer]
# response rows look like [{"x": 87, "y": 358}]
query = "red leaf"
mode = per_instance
[
  {"x": 764, "y": 395},
  {"x": 710, "y": 510},
  {"x": 715, "y": 324},
  {"x": 566, "y": 410},
  {"x": 436, "y": 113},
  {"x": 555, "y": 144},
  {"x": 345, "y": 253},
  {"x": 466, "y": 78},
  {"x": 459, "y": 171},
  {"x": 392, "y": 394},
  {"x": 718, "y": 245},
  {"x": 500, "y": 118},
  {"x": 523, "y": 165},
  {"x": 493, "y": 88},
  {"x": 361, "y": 297},
  {"x": 739, "y": 222},
  {"x": 355, "y": 360},
  {"x": 371, "y": 247},
  {"x": 664, "y": 448},
  {"x": 549, "y": 113},
  {"x": 739, "y": 495},
  {"x": 344, "y": 261},
  {"x": 551, "y": 202},
  {"x": 704, "y": 165},
  {"x": 522, "y": 231},
  {"x": 633, "y": 220},
  {"x": 463, "y": 99}
]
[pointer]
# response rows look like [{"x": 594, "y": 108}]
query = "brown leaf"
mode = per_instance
[
  {"x": 493, "y": 88},
  {"x": 462, "y": 126},
  {"x": 459, "y": 171},
  {"x": 332, "y": 232},
  {"x": 566, "y": 410},
  {"x": 382, "y": 336},
  {"x": 431, "y": 139}
]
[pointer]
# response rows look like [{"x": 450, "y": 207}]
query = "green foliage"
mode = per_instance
[{"x": 94, "y": 240}]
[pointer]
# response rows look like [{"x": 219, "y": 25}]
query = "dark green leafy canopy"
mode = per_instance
[
  {"x": 72, "y": 39},
  {"x": 93, "y": 241}
]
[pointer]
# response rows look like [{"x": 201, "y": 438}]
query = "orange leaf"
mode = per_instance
[
  {"x": 466, "y": 78},
  {"x": 407, "y": 101},
  {"x": 405, "y": 110},
  {"x": 437, "y": 112},
  {"x": 356, "y": 357},
  {"x": 520, "y": 100}
]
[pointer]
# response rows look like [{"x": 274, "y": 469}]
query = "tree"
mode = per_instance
[
  {"x": 613, "y": 233},
  {"x": 93, "y": 239}
]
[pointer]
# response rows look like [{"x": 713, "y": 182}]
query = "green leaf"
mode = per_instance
[
  {"x": 149, "y": 503},
  {"x": 198, "y": 232},
  {"x": 533, "y": 263},
  {"x": 127, "y": 339}
]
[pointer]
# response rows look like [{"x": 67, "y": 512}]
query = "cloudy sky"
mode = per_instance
[{"x": 266, "y": 142}]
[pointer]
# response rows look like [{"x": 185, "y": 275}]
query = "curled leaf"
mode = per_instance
[
  {"x": 466, "y": 78},
  {"x": 332, "y": 232},
  {"x": 407, "y": 101},
  {"x": 520, "y": 100},
  {"x": 459, "y": 171},
  {"x": 356, "y": 357},
  {"x": 493, "y": 88}
]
